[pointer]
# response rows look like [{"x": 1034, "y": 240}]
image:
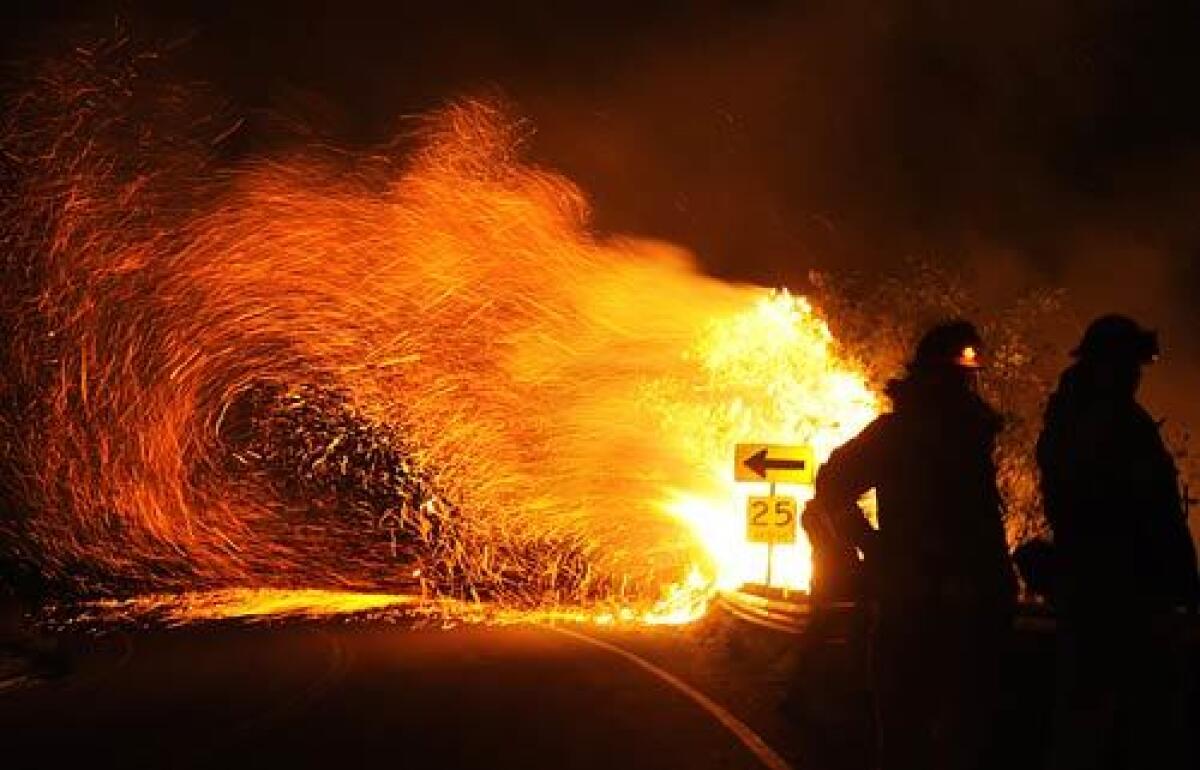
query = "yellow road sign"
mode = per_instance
[
  {"x": 771, "y": 519},
  {"x": 782, "y": 463}
]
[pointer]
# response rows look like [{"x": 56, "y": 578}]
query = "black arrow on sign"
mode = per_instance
[{"x": 759, "y": 463}]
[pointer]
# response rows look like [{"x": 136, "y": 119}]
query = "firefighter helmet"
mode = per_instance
[
  {"x": 1117, "y": 337},
  {"x": 954, "y": 344}
]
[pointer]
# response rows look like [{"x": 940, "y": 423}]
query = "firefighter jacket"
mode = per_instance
[
  {"x": 940, "y": 533},
  {"x": 1112, "y": 497}
]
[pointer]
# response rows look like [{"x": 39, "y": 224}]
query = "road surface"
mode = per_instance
[{"x": 350, "y": 696}]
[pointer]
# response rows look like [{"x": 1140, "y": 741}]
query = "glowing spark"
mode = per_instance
[{"x": 410, "y": 374}]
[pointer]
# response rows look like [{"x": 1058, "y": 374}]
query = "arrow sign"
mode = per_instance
[
  {"x": 779, "y": 463},
  {"x": 761, "y": 464}
]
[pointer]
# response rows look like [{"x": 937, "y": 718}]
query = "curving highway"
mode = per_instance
[{"x": 358, "y": 696}]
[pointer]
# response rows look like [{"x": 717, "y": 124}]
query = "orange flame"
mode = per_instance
[{"x": 551, "y": 385}]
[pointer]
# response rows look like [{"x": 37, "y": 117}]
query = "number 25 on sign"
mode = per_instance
[{"x": 771, "y": 519}]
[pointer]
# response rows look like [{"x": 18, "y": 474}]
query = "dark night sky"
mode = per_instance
[{"x": 1025, "y": 140}]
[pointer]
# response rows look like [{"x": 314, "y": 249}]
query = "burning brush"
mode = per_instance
[{"x": 416, "y": 369}]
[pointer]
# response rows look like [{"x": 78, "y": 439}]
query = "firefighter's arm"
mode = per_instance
[{"x": 852, "y": 470}]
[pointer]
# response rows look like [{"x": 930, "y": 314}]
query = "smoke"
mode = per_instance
[
  {"x": 768, "y": 138},
  {"x": 1024, "y": 146}
]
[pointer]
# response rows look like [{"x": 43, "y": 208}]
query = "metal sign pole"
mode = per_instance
[{"x": 770, "y": 543}]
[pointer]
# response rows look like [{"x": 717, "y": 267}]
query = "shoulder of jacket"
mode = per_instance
[
  {"x": 879, "y": 431},
  {"x": 881, "y": 424}
]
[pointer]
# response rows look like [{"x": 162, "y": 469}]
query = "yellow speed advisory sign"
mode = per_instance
[
  {"x": 781, "y": 463},
  {"x": 771, "y": 519}
]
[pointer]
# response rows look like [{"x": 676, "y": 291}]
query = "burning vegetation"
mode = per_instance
[
  {"x": 413, "y": 370},
  {"x": 317, "y": 381}
]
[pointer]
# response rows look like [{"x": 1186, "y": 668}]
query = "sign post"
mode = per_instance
[
  {"x": 771, "y": 543},
  {"x": 772, "y": 519}
]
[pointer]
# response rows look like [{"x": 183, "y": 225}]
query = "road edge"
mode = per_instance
[{"x": 750, "y": 739}]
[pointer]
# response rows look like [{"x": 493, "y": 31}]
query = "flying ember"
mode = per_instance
[{"x": 416, "y": 372}]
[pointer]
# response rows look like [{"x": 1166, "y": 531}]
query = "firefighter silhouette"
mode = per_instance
[
  {"x": 1125, "y": 561},
  {"x": 936, "y": 570}
]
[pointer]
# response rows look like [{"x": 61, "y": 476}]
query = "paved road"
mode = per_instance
[{"x": 300, "y": 696}]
